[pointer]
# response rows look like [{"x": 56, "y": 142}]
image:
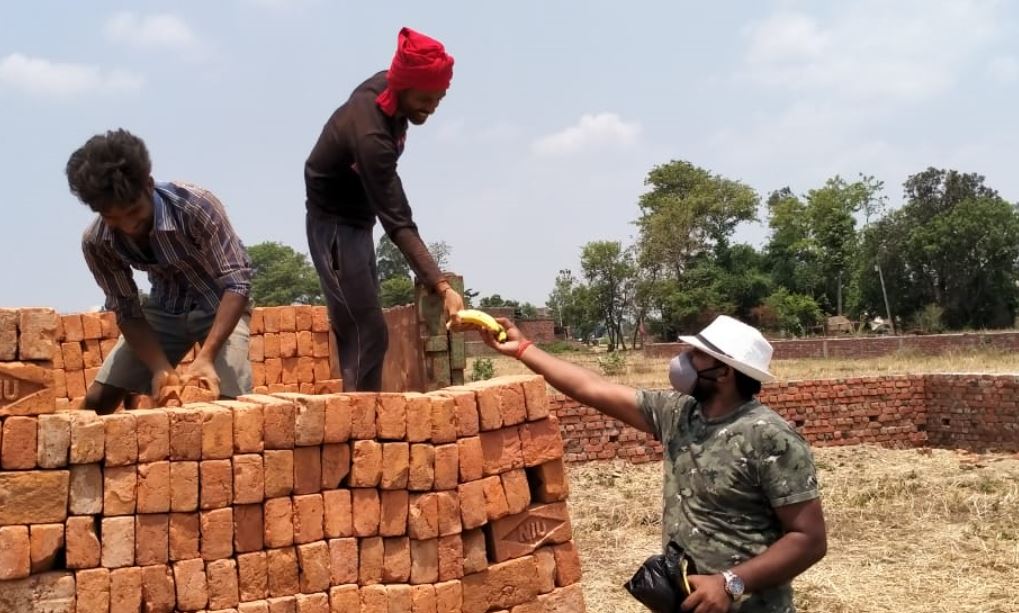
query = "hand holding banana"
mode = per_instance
[{"x": 483, "y": 321}]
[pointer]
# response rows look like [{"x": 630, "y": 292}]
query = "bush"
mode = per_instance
[
  {"x": 930, "y": 319},
  {"x": 483, "y": 369},
  {"x": 614, "y": 363},
  {"x": 792, "y": 313},
  {"x": 558, "y": 346}
]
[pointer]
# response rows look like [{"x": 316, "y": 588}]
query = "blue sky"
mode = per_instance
[{"x": 556, "y": 112}]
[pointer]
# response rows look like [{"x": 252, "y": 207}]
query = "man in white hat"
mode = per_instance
[{"x": 740, "y": 491}]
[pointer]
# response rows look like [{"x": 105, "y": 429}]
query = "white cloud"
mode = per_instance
[
  {"x": 159, "y": 30},
  {"x": 39, "y": 76},
  {"x": 871, "y": 50},
  {"x": 592, "y": 131},
  {"x": 1003, "y": 69}
]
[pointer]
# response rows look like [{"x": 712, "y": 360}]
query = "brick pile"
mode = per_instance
[
  {"x": 290, "y": 351},
  {"x": 451, "y": 501},
  {"x": 27, "y": 346}
]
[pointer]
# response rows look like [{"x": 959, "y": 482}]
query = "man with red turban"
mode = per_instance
[{"x": 351, "y": 179}]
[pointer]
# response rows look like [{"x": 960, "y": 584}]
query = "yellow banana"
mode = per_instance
[{"x": 480, "y": 319}]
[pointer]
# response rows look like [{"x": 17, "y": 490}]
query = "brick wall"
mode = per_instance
[
  {"x": 453, "y": 501},
  {"x": 870, "y": 346},
  {"x": 975, "y": 412}
]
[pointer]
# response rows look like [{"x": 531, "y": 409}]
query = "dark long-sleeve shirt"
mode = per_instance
[
  {"x": 194, "y": 255},
  {"x": 351, "y": 177}
]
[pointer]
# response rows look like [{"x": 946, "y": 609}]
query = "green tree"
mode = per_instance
[
  {"x": 396, "y": 291},
  {"x": 609, "y": 272},
  {"x": 792, "y": 313},
  {"x": 282, "y": 276},
  {"x": 441, "y": 251},
  {"x": 390, "y": 260}
]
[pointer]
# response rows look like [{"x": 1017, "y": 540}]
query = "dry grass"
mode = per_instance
[
  {"x": 910, "y": 531},
  {"x": 651, "y": 372}
]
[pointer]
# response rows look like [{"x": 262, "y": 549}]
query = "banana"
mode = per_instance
[{"x": 480, "y": 319}]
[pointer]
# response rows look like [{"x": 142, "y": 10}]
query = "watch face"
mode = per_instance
[{"x": 734, "y": 585}]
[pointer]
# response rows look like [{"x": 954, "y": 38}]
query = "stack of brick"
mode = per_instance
[
  {"x": 27, "y": 346},
  {"x": 447, "y": 502},
  {"x": 84, "y": 341},
  {"x": 290, "y": 351}
]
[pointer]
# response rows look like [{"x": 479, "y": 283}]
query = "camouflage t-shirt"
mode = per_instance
[{"x": 723, "y": 478}]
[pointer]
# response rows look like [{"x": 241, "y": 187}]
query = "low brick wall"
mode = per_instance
[
  {"x": 870, "y": 346},
  {"x": 974, "y": 412}
]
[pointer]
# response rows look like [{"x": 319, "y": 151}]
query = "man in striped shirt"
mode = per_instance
[{"x": 199, "y": 270}]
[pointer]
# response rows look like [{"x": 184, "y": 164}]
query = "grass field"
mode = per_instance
[{"x": 910, "y": 531}]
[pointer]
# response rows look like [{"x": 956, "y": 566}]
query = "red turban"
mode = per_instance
[{"x": 420, "y": 63}]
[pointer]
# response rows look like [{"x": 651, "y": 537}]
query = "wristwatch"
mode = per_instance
[{"x": 733, "y": 585}]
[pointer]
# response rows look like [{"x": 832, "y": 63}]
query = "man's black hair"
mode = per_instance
[{"x": 110, "y": 169}]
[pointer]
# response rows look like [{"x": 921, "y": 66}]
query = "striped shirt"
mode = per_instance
[{"x": 194, "y": 255}]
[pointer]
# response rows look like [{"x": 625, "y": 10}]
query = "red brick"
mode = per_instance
[
  {"x": 338, "y": 513},
  {"x": 279, "y": 417},
  {"x": 396, "y": 562},
  {"x": 423, "y": 599},
  {"x": 92, "y": 354},
  {"x": 362, "y": 415},
  {"x": 366, "y": 469},
  {"x": 423, "y": 516},
  {"x": 567, "y": 564},
  {"x": 501, "y": 586},
  {"x": 217, "y": 533},
  {"x": 126, "y": 589},
  {"x": 303, "y": 317},
  {"x": 19, "y": 443},
  {"x": 366, "y": 510},
  {"x": 185, "y": 531},
  {"x": 92, "y": 588},
  {"x": 489, "y": 409},
  {"x": 248, "y": 479},
  {"x": 256, "y": 348},
  {"x": 443, "y": 420},
  {"x": 337, "y": 419},
  {"x": 475, "y": 551},
  {"x": 501, "y": 450},
  {"x": 535, "y": 396},
  {"x": 72, "y": 327},
  {"x": 153, "y": 487},
  {"x": 307, "y": 470},
  {"x": 152, "y": 539},
  {"x": 447, "y": 466},
  {"x": 448, "y": 597},
  {"x": 38, "y": 327},
  {"x": 551, "y": 482},
  {"x": 183, "y": 486},
  {"x": 248, "y": 425},
  {"x": 282, "y": 568},
  {"x": 271, "y": 348},
  {"x": 541, "y": 441},
  {"x": 192, "y": 588},
  {"x": 306, "y": 370},
  {"x": 374, "y": 599},
  {"x": 106, "y": 347},
  {"x": 46, "y": 542},
  {"x": 544, "y": 558},
  {"x": 518, "y": 535},
  {"x": 308, "y": 518},
  {"x": 283, "y": 604},
  {"x": 451, "y": 557},
  {"x": 335, "y": 464},
  {"x": 395, "y": 465},
  {"x": 471, "y": 458},
  {"x": 253, "y": 580},
  {"x": 288, "y": 319},
  {"x": 344, "y": 598},
  {"x": 320, "y": 344},
  {"x": 518, "y": 491},
  {"x": 419, "y": 418},
  {"x": 279, "y": 473},
  {"x": 54, "y": 440},
  {"x": 391, "y": 417},
  {"x": 88, "y": 438},
  {"x": 343, "y": 561},
  {"x": 422, "y": 468},
  {"x": 309, "y": 418},
  {"x": 399, "y": 597},
  {"x": 496, "y": 505},
  {"x": 313, "y": 603},
  {"x": 291, "y": 367},
  {"x": 153, "y": 428},
  {"x": 75, "y": 382},
  {"x": 185, "y": 434},
  {"x": 217, "y": 432},
  {"x": 473, "y": 510},
  {"x": 86, "y": 490},
  {"x": 424, "y": 561},
  {"x": 83, "y": 548},
  {"x": 223, "y": 586},
  {"x": 273, "y": 368},
  {"x": 564, "y": 599},
  {"x": 119, "y": 483},
  {"x": 448, "y": 506},
  {"x": 249, "y": 528},
  {"x": 118, "y": 542},
  {"x": 370, "y": 559},
  {"x": 72, "y": 356},
  {"x": 394, "y": 508},
  {"x": 216, "y": 484},
  {"x": 279, "y": 522},
  {"x": 465, "y": 410},
  {"x": 158, "y": 590}
]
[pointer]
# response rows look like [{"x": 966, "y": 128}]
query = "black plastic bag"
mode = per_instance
[{"x": 660, "y": 582}]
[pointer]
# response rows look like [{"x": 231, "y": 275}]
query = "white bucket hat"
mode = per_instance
[{"x": 735, "y": 343}]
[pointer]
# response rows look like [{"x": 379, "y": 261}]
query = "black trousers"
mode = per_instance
[{"x": 344, "y": 258}]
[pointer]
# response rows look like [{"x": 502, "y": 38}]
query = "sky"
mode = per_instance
[{"x": 556, "y": 113}]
